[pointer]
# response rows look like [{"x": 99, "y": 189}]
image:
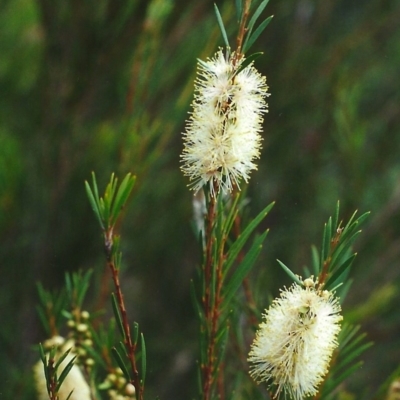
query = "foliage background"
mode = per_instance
[{"x": 106, "y": 85}]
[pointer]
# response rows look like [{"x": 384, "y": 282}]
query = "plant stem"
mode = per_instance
[
  {"x": 207, "y": 368},
  {"x": 53, "y": 383},
  {"x": 212, "y": 300},
  {"x": 242, "y": 28},
  {"x": 129, "y": 345},
  {"x": 327, "y": 262}
]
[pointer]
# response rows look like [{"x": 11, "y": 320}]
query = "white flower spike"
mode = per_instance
[
  {"x": 222, "y": 137},
  {"x": 294, "y": 344}
]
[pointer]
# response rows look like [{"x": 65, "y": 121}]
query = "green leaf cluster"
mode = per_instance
[
  {"x": 332, "y": 264},
  {"x": 251, "y": 35},
  {"x": 108, "y": 208},
  {"x": 233, "y": 257},
  {"x": 54, "y": 379},
  {"x": 352, "y": 344}
]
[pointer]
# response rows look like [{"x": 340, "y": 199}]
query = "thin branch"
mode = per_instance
[
  {"x": 129, "y": 345},
  {"x": 242, "y": 30}
]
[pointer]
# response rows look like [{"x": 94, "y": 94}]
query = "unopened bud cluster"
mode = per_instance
[
  {"x": 118, "y": 388},
  {"x": 80, "y": 333}
]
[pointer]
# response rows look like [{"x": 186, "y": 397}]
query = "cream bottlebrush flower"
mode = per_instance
[
  {"x": 222, "y": 137},
  {"x": 74, "y": 381},
  {"x": 294, "y": 344}
]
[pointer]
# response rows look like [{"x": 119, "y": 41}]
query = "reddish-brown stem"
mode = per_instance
[
  {"x": 207, "y": 369},
  {"x": 325, "y": 267},
  {"x": 207, "y": 269},
  {"x": 211, "y": 299},
  {"x": 129, "y": 345},
  {"x": 53, "y": 383},
  {"x": 242, "y": 30}
]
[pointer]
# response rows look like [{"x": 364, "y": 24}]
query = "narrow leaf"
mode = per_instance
[
  {"x": 122, "y": 195},
  {"x": 65, "y": 373},
  {"x": 350, "y": 222},
  {"x": 255, "y": 16},
  {"x": 244, "y": 268},
  {"x": 233, "y": 212},
  {"x": 135, "y": 332},
  {"x": 120, "y": 362},
  {"x": 323, "y": 251},
  {"x": 93, "y": 204},
  {"x": 221, "y": 26},
  {"x": 336, "y": 217},
  {"x": 42, "y": 354},
  {"x": 117, "y": 315},
  {"x": 315, "y": 261},
  {"x": 196, "y": 304},
  {"x": 242, "y": 239},
  {"x": 347, "y": 334},
  {"x": 355, "y": 353},
  {"x": 70, "y": 394},
  {"x": 248, "y": 60},
  {"x": 43, "y": 319},
  {"x": 239, "y": 9},
  {"x": 344, "y": 375},
  {"x": 144, "y": 362},
  {"x": 290, "y": 273},
  {"x": 62, "y": 358},
  {"x": 346, "y": 353},
  {"x": 260, "y": 29},
  {"x": 328, "y": 238},
  {"x": 339, "y": 271},
  {"x": 222, "y": 342}
]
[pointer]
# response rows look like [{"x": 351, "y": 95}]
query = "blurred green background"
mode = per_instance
[{"x": 105, "y": 86}]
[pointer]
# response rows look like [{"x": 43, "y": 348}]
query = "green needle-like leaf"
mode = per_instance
[
  {"x": 62, "y": 358},
  {"x": 70, "y": 394},
  {"x": 135, "y": 332},
  {"x": 250, "y": 40},
  {"x": 118, "y": 359},
  {"x": 242, "y": 239},
  {"x": 121, "y": 197},
  {"x": 42, "y": 354},
  {"x": 290, "y": 273},
  {"x": 64, "y": 373},
  {"x": 255, "y": 16},
  {"x": 117, "y": 315},
  {"x": 239, "y": 9},
  {"x": 196, "y": 304},
  {"x": 339, "y": 271},
  {"x": 243, "y": 269},
  {"x": 233, "y": 212},
  {"x": 248, "y": 60},
  {"x": 336, "y": 217},
  {"x": 222, "y": 342},
  {"x": 221, "y": 25},
  {"x": 315, "y": 261},
  {"x": 144, "y": 362},
  {"x": 94, "y": 204}
]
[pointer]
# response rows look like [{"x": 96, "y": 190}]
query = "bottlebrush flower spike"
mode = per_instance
[
  {"x": 294, "y": 345},
  {"x": 222, "y": 137}
]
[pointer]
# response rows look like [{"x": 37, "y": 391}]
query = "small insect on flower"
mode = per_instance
[
  {"x": 295, "y": 342},
  {"x": 222, "y": 137}
]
